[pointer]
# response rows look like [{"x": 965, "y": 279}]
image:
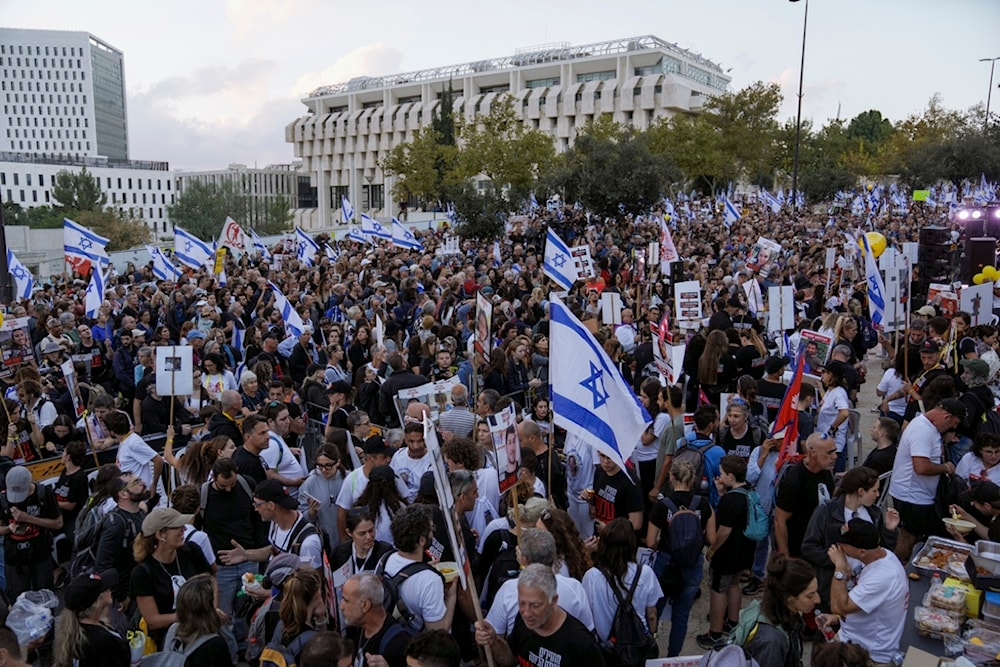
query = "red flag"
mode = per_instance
[
  {"x": 703, "y": 398},
  {"x": 662, "y": 330},
  {"x": 788, "y": 419}
]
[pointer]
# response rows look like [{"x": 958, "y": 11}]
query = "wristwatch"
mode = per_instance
[{"x": 839, "y": 576}]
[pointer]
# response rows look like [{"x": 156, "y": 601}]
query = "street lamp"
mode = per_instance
[
  {"x": 989, "y": 91},
  {"x": 798, "y": 116}
]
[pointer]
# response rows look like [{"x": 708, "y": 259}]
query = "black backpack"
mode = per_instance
[
  {"x": 629, "y": 644},
  {"x": 392, "y": 601},
  {"x": 684, "y": 533},
  {"x": 505, "y": 567}
]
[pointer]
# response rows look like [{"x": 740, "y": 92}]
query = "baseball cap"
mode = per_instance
[
  {"x": 83, "y": 590},
  {"x": 138, "y": 332},
  {"x": 280, "y": 567},
  {"x": 952, "y": 406},
  {"x": 375, "y": 446},
  {"x": 927, "y": 311},
  {"x": 18, "y": 484},
  {"x": 930, "y": 346},
  {"x": 340, "y": 387},
  {"x": 51, "y": 346},
  {"x": 162, "y": 518},
  {"x": 272, "y": 491},
  {"x": 860, "y": 534},
  {"x": 976, "y": 367},
  {"x": 775, "y": 364}
]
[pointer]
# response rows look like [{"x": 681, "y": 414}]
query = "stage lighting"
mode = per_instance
[
  {"x": 976, "y": 215},
  {"x": 963, "y": 215}
]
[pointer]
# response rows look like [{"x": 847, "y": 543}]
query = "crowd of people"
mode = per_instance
[{"x": 291, "y": 459}]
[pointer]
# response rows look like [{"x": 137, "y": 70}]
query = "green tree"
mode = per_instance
[
  {"x": 695, "y": 147},
  {"x": 78, "y": 191},
  {"x": 481, "y": 213},
  {"x": 277, "y": 217},
  {"x": 747, "y": 123},
  {"x": 871, "y": 127},
  {"x": 122, "y": 227},
  {"x": 423, "y": 166},
  {"x": 203, "y": 207}
]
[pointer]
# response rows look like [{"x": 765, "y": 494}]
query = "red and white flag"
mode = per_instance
[
  {"x": 233, "y": 237},
  {"x": 786, "y": 426}
]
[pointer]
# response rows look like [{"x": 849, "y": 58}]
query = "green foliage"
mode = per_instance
[
  {"x": 121, "y": 227},
  {"x": 481, "y": 213},
  {"x": 78, "y": 191},
  {"x": 203, "y": 207},
  {"x": 871, "y": 127}
]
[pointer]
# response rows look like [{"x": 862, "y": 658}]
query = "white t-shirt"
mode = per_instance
[
  {"x": 603, "y": 603},
  {"x": 136, "y": 457},
  {"x": 649, "y": 452},
  {"x": 833, "y": 402},
  {"x": 199, "y": 539},
  {"x": 423, "y": 592},
  {"x": 411, "y": 470},
  {"x": 311, "y": 550},
  {"x": 355, "y": 484},
  {"x": 572, "y": 600},
  {"x": 279, "y": 457},
  {"x": 579, "y": 466},
  {"x": 971, "y": 468},
  {"x": 890, "y": 383},
  {"x": 883, "y": 594},
  {"x": 921, "y": 438}
]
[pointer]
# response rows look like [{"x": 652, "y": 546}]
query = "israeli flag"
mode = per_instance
[
  {"x": 95, "y": 293},
  {"x": 731, "y": 214},
  {"x": 876, "y": 288},
  {"x": 288, "y": 314},
  {"x": 163, "y": 268},
  {"x": 259, "y": 246},
  {"x": 403, "y": 237},
  {"x": 307, "y": 248},
  {"x": 557, "y": 262},
  {"x": 346, "y": 210},
  {"x": 23, "y": 280},
  {"x": 80, "y": 242},
  {"x": 771, "y": 201},
  {"x": 451, "y": 214},
  {"x": 374, "y": 229},
  {"x": 497, "y": 256},
  {"x": 331, "y": 253},
  {"x": 590, "y": 398},
  {"x": 191, "y": 250},
  {"x": 355, "y": 234},
  {"x": 532, "y": 202},
  {"x": 237, "y": 342}
]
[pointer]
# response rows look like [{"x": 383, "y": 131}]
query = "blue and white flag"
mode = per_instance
[
  {"x": 532, "y": 202},
  {"x": 23, "y": 280},
  {"x": 95, "y": 292},
  {"x": 374, "y": 229},
  {"x": 259, "y": 246},
  {"x": 590, "y": 398},
  {"x": 163, "y": 268},
  {"x": 288, "y": 314},
  {"x": 191, "y": 250},
  {"x": 451, "y": 214},
  {"x": 346, "y": 210},
  {"x": 355, "y": 234},
  {"x": 557, "y": 263},
  {"x": 238, "y": 337},
  {"x": 331, "y": 253},
  {"x": 876, "y": 288},
  {"x": 83, "y": 244},
  {"x": 403, "y": 237},
  {"x": 307, "y": 248},
  {"x": 771, "y": 201},
  {"x": 497, "y": 256},
  {"x": 731, "y": 214}
]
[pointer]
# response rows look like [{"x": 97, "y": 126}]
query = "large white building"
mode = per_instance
[
  {"x": 63, "y": 97},
  {"x": 350, "y": 127},
  {"x": 263, "y": 186}
]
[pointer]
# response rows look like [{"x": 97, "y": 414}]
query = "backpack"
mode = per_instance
[
  {"x": 989, "y": 420},
  {"x": 505, "y": 567},
  {"x": 684, "y": 534},
  {"x": 174, "y": 654},
  {"x": 746, "y": 626},
  {"x": 758, "y": 527},
  {"x": 276, "y": 654},
  {"x": 629, "y": 643},
  {"x": 263, "y": 624},
  {"x": 694, "y": 454},
  {"x": 392, "y": 585},
  {"x": 240, "y": 480},
  {"x": 728, "y": 655}
]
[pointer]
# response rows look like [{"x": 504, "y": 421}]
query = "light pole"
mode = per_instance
[
  {"x": 989, "y": 91},
  {"x": 798, "y": 116}
]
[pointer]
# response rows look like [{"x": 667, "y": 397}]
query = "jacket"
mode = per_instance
[
  {"x": 824, "y": 530},
  {"x": 220, "y": 424}
]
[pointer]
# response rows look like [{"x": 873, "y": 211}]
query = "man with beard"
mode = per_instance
[{"x": 117, "y": 532}]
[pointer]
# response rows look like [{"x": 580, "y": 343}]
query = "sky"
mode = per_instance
[{"x": 214, "y": 82}]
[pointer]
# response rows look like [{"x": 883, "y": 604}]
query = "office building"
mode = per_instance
[{"x": 264, "y": 187}]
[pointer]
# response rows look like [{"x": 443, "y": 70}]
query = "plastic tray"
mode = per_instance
[{"x": 935, "y": 543}]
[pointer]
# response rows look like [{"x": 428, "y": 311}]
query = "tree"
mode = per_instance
[
  {"x": 871, "y": 127},
  {"x": 481, "y": 213},
  {"x": 203, "y": 207},
  {"x": 694, "y": 146},
  {"x": 78, "y": 191},
  {"x": 747, "y": 123},
  {"x": 277, "y": 217},
  {"x": 424, "y": 166},
  {"x": 123, "y": 228},
  {"x": 611, "y": 170}
]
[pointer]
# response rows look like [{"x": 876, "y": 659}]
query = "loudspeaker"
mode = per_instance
[
  {"x": 978, "y": 253},
  {"x": 935, "y": 236}
]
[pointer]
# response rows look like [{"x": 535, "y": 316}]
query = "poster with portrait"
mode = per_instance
[
  {"x": 815, "y": 346},
  {"x": 483, "y": 340},
  {"x": 15, "y": 344},
  {"x": 763, "y": 255},
  {"x": 174, "y": 376},
  {"x": 506, "y": 446},
  {"x": 435, "y": 395},
  {"x": 72, "y": 386}
]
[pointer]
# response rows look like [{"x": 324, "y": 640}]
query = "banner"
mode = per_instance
[
  {"x": 174, "y": 375},
  {"x": 506, "y": 446},
  {"x": 15, "y": 345},
  {"x": 687, "y": 299},
  {"x": 483, "y": 341},
  {"x": 763, "y": 255},
  {"x": 814, "y": 349}
]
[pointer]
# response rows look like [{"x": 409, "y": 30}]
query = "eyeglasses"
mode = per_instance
[
  {"x": 326, "y": 466},
  {"x": 258, "y": 503}
]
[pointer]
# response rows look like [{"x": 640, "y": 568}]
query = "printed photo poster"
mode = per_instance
[
  {"x": 174, "y": 376},
  {"x": 15, "y": 346},
  {"x": 816, "y": 348},
  {"x": 687, "y": 299},
  {"x": 483, "y": 340},
  {"x": 668, "y": 358},
  {"x": 72, "y": 386},
  {"x": 944, "y": 297},
  {"x": 506, "y": 446},
  {"x": 447, "y": 500},
  {"x": 583, "y": 265},
  {"x": 763, "y": 255},
  {"x": 435, "y": 395}
]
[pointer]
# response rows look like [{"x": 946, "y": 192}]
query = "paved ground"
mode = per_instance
[{"x": 698, "y": 622}]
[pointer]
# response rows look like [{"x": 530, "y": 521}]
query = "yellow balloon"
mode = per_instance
[
  {"x": 990, "y": 273},
  {"x": 978, "y": 279},
  {"x": 876, "y": 241}
]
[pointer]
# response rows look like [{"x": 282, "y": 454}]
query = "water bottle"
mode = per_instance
[
  {"x": 897, "y": 659},
  {"x": 828, "y": 633}
]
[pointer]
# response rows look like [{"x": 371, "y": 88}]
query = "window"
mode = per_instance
[
  {"x": 542, "y": 83},
  {"x": 595, "y": 76}
]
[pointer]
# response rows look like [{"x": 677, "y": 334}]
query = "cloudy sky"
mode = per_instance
[{"x": 212, "y": 82}]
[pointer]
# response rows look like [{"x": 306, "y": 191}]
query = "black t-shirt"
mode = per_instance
[
  {"x": 660, "y": 515},
  {"x": 28, "y": 542},
  {"x": 72, "y": 489},
  {"x": 799, "y": 494},
  {"x": 571, "y": 644},
  {"x": 736, "y": 553},
  {"x": 250, "y": 466},
  {"x": 394, "y": 651},
  {"x": 103, "y": 648},
  {"x": 881, "y": 460},
  {"x": 615, "y": 496},
  {"x": 770, "y": 395},
  {"x": 741, "y": 446},
  {"x": 228, "y": 516},
  {"x": 750, "y": 362},
  {"x": 161, "y": 581}
]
